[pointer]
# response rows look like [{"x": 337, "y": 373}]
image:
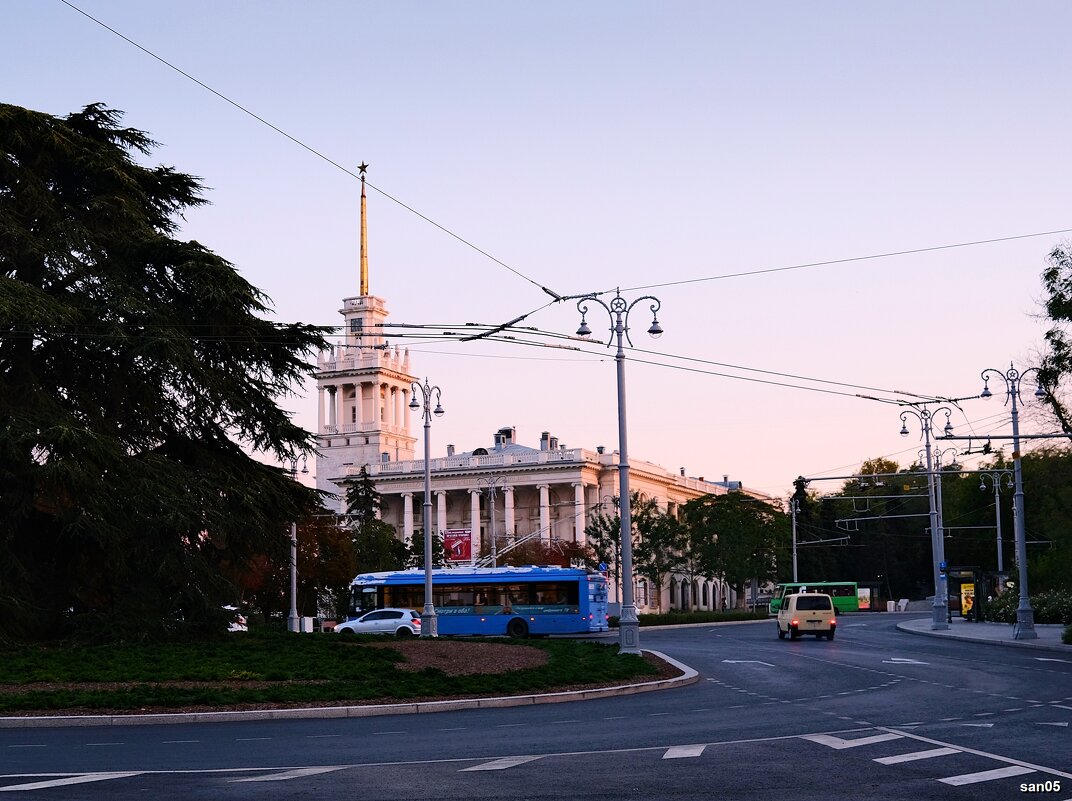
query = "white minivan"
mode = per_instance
[{"x": 807, "y": 613}]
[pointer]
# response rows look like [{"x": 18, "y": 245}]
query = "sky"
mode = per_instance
[{"x": 672, "y": 149}]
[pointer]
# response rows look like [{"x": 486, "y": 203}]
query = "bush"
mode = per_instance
[{"x": 1051, "y": 606}]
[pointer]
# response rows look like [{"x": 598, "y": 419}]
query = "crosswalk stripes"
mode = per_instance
[
  {"x": 831, "y": 741},
  {"x": 296, "y": 773},
  {"x": 934, "y": 752},
  {"x": 82, "y": 778},
  {"x": 502, "y": 764},
  {"x": 684, "y": 751},
  {"x": 986, "y": 775}
]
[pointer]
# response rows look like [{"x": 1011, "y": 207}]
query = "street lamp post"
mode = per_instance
[
  {"x": 429, "y": 624},
  {"x": 618, "y": 310},
  {"x": 940, "y": 609},
  {"x": 292, "y": 617},
  {"x": 793, "y": 508},
  {"x": 492, "y": 482},
  {"x": 1025, "y": 615},
  {"x": 996, "y": 478}
]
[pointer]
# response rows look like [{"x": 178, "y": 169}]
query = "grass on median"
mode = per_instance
[{"x": 269, "y": 668}]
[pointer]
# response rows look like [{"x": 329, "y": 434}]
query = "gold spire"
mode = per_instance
[{"x": 364, "y": 234}]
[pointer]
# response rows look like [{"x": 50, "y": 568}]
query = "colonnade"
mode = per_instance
[
  {"x": 391, "y": 406},
  {"x": 507, "y": 524}
]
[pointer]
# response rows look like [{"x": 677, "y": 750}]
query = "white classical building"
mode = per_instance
[{"x": 545, "y": 492}]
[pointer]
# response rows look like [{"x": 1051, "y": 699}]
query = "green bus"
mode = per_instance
[{"x": 846, "y": 594}]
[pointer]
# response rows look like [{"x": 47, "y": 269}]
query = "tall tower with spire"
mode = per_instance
[{"x": 363, "y": 386}]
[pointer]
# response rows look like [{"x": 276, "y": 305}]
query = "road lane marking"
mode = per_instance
[
  {"x": 986, "y": 775},
  {"x": 979, "y": 725},
  {"x": 178, "y": 742},
  {"x": 1051, "y": 724},
  {"x": 96, "y": 744},
  {"x": 296, "y": 773},
  {"x": 746, "y": 662},
  {"x": 66, "y": 780},
  {"x": 319, "y": 736},
  {"x": 896, "y": 660},
  {"x": 838, "y": 743},
  {"x": 250, "y": 739},
  {"x": 29, "y": 745},
  {"x": 912, "y": 757},
  {"x": 502, "y": 764},
  {"x": 977, "y": 752},
  {"x": 683, "y": 751}
]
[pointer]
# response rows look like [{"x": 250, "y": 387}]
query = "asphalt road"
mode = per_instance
[{"x": 876, "y": 713}]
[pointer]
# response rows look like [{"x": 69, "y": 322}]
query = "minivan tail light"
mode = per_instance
[
  {"x": 794, "y": 622},
  {"x": 416, "y": 621}
]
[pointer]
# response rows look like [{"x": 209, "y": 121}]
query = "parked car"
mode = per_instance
[
  {"x": 400, "y": 622},
  {"x": 807, "y": 613}
]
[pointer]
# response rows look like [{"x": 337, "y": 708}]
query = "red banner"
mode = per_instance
[{"x": 458, "y": 543}]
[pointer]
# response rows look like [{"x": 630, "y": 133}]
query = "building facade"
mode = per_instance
[{"x": 522, "y": 492}]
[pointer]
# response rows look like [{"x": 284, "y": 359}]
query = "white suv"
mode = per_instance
[{"x": 400, "y": 622}]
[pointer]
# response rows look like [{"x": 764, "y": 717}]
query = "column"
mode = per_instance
[
  {"x": 441, "y": 511},
  {"x": 359, "y": 415},
  {"x": 545, "y": 514},
  {"x": 407, "y": 517},
  {"x": 474, "y": 521},
  {"x": 320, "y": 409},
  {"x": 332, "y": 409},
  {"x": 396, "y": 418},
  {"x": 508, "y": 497},
  {"x": 405, "y": 408},
  {"x": 578, "y": 512}
]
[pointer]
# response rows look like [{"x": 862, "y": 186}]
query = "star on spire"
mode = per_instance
[{"x": 361, "y": 168}]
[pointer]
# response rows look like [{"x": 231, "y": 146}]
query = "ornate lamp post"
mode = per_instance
[
  {"x": 492, "y": 482},
  {"x": 292, "y": 618},
  {"x": 1025, "y": 615},
  {"x": 618, "y": 310},
  {"x": 996, "y": 478},
  {"x": 429, "y": 624},
  {"x": 940, "y": 610}
]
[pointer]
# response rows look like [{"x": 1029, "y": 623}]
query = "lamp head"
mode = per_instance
[
  {"x": 438, "y": 411},
  {"x": 904, "y": 429},
  {"x": 413, "y": 404},
  {"x": 948, "y": 429},
  {"x": 1040, "y": 393},
  {"x": 986, "y": 393},
  {"x": 656, "y": 330},
  {"x": 583, "y": 330}
]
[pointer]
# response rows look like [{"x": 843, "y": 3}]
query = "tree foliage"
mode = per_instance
[
  {"x": 741, "y": 537},
  {"x": 137, "y": 374},
  {"x": 1056, "y": 368}
]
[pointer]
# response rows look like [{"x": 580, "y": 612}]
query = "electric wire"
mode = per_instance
[
  {"x": 554, "y": 295},
  {"x": 306, "y": 147}
]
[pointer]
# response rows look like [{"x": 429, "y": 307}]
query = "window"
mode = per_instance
[{"x": 705, "y": 594}]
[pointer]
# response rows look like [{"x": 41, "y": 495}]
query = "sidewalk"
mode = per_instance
[{"x": 1049, "y": 635}]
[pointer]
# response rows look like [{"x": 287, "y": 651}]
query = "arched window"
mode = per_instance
[
  {"x": 673, "y": 592},
  {"x": 704, "y": 593}
]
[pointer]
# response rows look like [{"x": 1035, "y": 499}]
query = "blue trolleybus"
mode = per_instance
[{"x": 517, "y": 601}]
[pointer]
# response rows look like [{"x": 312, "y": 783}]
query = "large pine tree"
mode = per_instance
[{"x": 137, "y": 374}]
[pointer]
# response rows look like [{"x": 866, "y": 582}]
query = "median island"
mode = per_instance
[{"x": 260, "y": 670}]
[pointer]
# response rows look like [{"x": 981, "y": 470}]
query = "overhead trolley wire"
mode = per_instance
[{"x": 309, "y": 148}]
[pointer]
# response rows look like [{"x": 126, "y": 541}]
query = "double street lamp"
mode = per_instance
[
  {"x": 925, "y": 416},
  {"x": 429, "y": 624},
  {"x": 997, "y": 477},
  {"x": 292, "y": 618},
  {"x": 1025, "y": 615},
  {"x": 618, "y": 310},
  {"x": 492, "y": 482}
]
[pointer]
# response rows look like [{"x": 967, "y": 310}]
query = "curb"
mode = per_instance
[
  {"x": 1060, "y": 648},
  {"x": 690, "y": 676}
]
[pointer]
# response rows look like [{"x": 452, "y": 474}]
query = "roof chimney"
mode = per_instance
[
  {"x": 545, "y": 438},
  {"x": 682, "y": 471},
  {"x": 450, "y": 450}
]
